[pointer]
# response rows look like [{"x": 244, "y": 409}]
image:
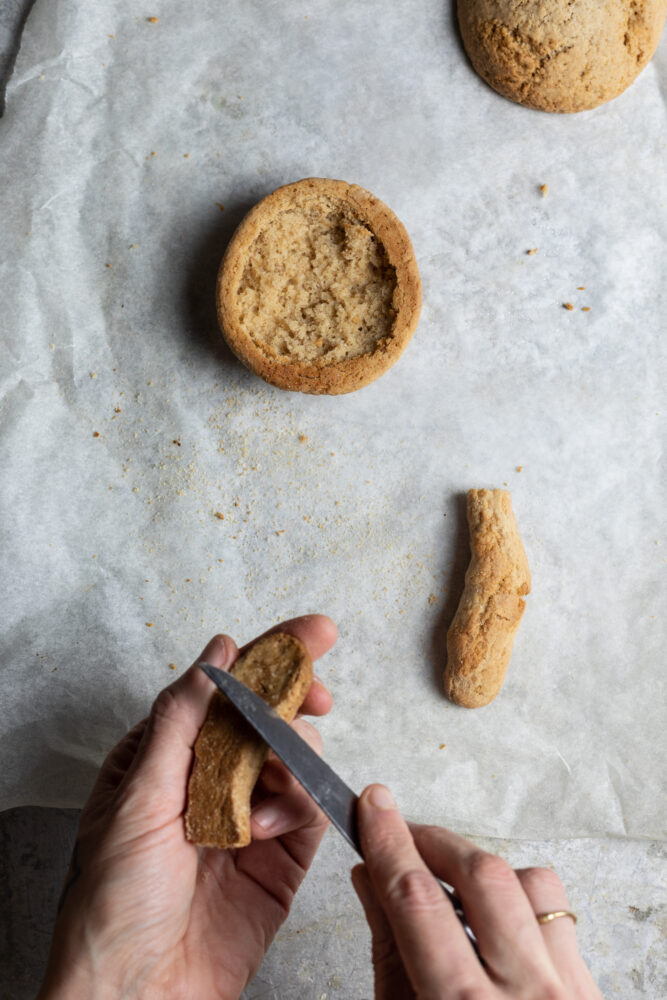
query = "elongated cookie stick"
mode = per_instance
[
  {"x": 480, "y": 638},
  {"x": 228, "y": 753}
]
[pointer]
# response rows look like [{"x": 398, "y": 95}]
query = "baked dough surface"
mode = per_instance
[
  {"x": 319, "y": 289},
  {"x": 480, "y": 638},
  {"x": 560, "y": 56},
  {"x": 229, "y": 755}
]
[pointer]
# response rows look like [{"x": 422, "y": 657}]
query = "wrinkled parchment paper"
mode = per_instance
[{"x": 132, "y": 143}]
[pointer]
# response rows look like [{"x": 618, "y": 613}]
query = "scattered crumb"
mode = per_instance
[
  {"x": 432, "y": 598},
  {"x": 177, "y": 442},
  {"x": 219, "y": 515},
  {"x": 107, "y": 265},
  {"x": 585, "y": 309},
  {"x": 442, "y": 746},
  {"x": 581, "y": 288},
  {"x": 93, "y": 374},
  {"x": 153, "y": 154},
  {"x": 280, "y": 532},
  {"x": 187, "y": 579},
  {"x": 531, "y": 252},
  {"x": 568, "y": 306},
  {"x": 96, "y": 434},
  {"x": 303, "y": 437},
  {"x": 152, "y": 20},
  {"x": 519, "y": 468},
  {"x": 186, "y": 156},
  {"x": 172, "y": 666},
  {"x": 544, "y": 190},
  {"x": 221, "y": 207},
  {"x": 149, "y": 624},
  {"x": 116, "y": 409}
]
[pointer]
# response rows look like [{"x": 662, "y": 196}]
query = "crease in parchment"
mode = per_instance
[{"x": 10, "y": 42}]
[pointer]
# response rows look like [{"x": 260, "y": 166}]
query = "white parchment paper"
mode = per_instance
[{"x": 129, "y": 150}]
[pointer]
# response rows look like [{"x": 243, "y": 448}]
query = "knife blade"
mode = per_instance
[{"x": 320, "y": 781}]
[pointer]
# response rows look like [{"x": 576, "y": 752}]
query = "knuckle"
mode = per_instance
[
  {"x": 415, "y": 891},
  {"x": 539, "y": 880},
  {"x": 309, "y": 733},
  {"x": 485, "y": 868},
  {"x": 551, "y": 991},
  {"x": 164, "y": 706}
]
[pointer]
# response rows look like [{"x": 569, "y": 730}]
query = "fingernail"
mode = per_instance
[
  {"x": 381, "y": 798},
  {"x": 267, "y": 816}
]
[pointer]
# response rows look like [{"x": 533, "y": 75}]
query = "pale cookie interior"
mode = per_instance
[{"x": 316, "y": 286}]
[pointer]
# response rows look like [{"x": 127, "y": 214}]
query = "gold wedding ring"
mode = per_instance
[{"x": 546, "y": 918}]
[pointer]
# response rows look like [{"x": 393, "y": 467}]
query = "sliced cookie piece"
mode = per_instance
[
  {"x": 229, "y": 755},
  {"x": 480, "y": 638},
  {"x": 319, "y": 289}
]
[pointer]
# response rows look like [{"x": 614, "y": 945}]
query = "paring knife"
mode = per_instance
[{"x": 322, "y": 783}]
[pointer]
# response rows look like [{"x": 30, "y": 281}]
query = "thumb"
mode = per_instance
[{"x": 162, "y": 764}]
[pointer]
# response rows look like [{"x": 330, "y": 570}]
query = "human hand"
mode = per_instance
[
  {"x": 420, "y": 949},
  {"x": 144, "y": 912}
]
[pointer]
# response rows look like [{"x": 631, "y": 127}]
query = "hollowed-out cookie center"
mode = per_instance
[{"x": 317, "y": 286}]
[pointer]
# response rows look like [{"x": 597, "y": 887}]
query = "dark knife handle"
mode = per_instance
[{"x": 458, "y": 910}]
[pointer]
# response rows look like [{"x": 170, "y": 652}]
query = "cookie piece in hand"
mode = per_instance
[
  {"x": 480, "y": 638},
  {"x": 229, "y": 754},
  {"x": 319, "y": 289},
  {"x": 557, "y": 56}
]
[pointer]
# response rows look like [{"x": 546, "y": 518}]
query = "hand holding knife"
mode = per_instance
[{"x": 322, "y": 783}]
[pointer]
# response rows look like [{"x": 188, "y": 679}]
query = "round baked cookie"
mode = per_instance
[
  {"x": 562, "y": 56},
  {"x": 318, "y": 290}
]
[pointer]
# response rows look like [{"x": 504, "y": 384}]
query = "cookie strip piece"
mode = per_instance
[
  {"x": 480, "y": 638},
  {"x": 228, "y": 753}
]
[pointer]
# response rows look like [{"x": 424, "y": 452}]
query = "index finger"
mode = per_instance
[{"x": 435, "y": 950}]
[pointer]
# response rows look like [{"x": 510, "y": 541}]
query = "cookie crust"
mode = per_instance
[
  {"x": 314, "y": 291},
  {"x": 480, "y": 638},
  {"x": 561, "y": 57},
  {"x": 229, "y": 754}
]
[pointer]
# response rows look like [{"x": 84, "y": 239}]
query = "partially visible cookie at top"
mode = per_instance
[
  {"x": 319, "y": 289},
  {"x": 560, "y": 56}
]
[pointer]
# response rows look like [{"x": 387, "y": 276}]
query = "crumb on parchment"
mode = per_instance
[
  {"x": 568, "y": 306},
  {"x": 531, "y": 252},
  {"x": 544, "y": 190}
]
